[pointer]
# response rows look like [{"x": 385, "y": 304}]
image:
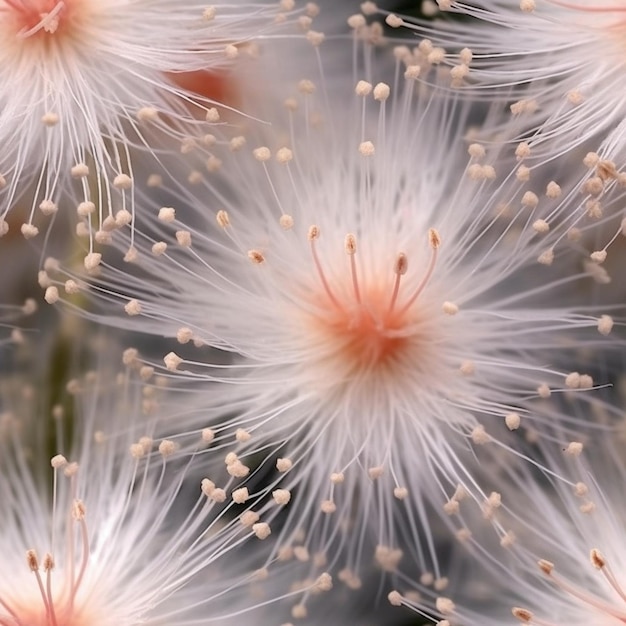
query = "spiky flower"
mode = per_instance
[
  {"x": 83, "y": 83},
  {"x": 561, "y": 558},
  {"x": 374, "y": 292},
  {"x": 121, "y": 529},
  {"x": 558, "y": 66}
]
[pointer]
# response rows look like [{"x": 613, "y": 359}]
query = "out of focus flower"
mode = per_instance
[
  {"x": 379, "y": 299},
  {"x": 10, "y": 317},
  {"x": 85, "y": 83},
  {"x": 559, "y": 66}
]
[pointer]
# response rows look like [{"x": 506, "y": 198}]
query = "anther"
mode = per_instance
[
  {"x": 312, "y": 235},
  {"x": 167, "y": 447},
  {"x": 71, "y": 469},
  {"x": 261, "y": 530},
  {"x": 58, "y": 461},
  {"x": 597, "y": 560},
  {"x": 434, "y": 241},
  {"x": 381, "y": 92},
  {"x": 395, "y": 599},
  {"x": 78, "y": 510},
  {"x": 523, "y": 615},
  {"x": 48, "y": 562},
  {"x": 256, "y": 257},
  {"x": 284, "y": 465},
  {"x": 401, "y": 265},
  {"x": 350, "y": 244},
  {"x": 32, "y": 560}
]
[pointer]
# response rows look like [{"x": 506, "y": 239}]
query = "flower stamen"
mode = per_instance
[
  {"x": 400, "y": 268},
  {"x": 78, "y": 513},
  {"x": 435, "y": 241},
  {"x": 48, "y": 21},
  {"x": 598, "y": 561},
  {"x": 350, "y": 245},
  {"x": 313, "y": 235},
  {"x": 48, "y": 566},
  {"x": 365, "y": 327},
  {"x": 33, "y": 565}
]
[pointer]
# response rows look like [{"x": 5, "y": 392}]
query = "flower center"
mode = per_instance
[
  {"x": 371, "y": 333},
  {"x": 369, "y": 325},
  {"x": 64, "y": 615},
  {"x": 49, "y": 600},
  {"x": 35, "y": 17},
  {"x": 45, "y": 22}
]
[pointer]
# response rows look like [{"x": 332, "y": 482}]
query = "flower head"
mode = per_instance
[
  {"x": 557, "y": 64},
  {"x": 566, "y": 563},
  {"x": 84, "y": 83},
  {"x": 121, "y": 529},
  {"x": 374, "y": 292}
]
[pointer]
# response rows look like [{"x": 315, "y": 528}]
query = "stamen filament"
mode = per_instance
[
  {"x": 53, "y": 617},
  {"x": 48, "y": 22},
  {"x": 400, "y": 268},
  {"x": 599, "y": 562},
  {"x": 314, "y": 233},
  {"x": 70, "y": 471},
  {"x": 585, "y": 597},
  {"x": 85, "y": 557},
  {"x": 435, "y": 241},
  {"x": 54, "y": 507},
  {"x": 350, "y": 245}
]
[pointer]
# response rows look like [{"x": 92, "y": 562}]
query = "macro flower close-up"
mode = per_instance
[
  {"x": 312, "y": 313},
  {"x": 367, "y": 293}
]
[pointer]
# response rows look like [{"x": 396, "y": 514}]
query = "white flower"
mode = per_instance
[
  {"x": 561, "y": 558},
  {"x": 557, "y": 556},
  {"x": 378, "y": 292},
  {"x": 121, "y": 530},
  {"x": 85, "y": 82},
  {"x": 559, "y": 66},
  {"x": 580, "y": 552}
]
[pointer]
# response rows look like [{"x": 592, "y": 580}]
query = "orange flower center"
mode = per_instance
[
  {"x": 368, "y": 334},
  {"x": 31, "y": 17},
  {"x": 369, "y": 325}
]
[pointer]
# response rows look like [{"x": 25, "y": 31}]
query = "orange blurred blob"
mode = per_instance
[{"x": 213, "y": 85}]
